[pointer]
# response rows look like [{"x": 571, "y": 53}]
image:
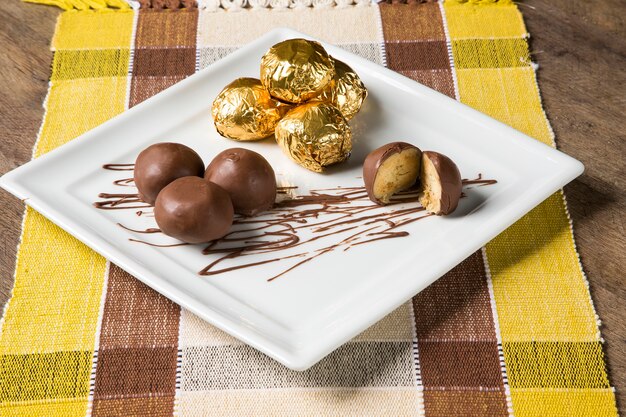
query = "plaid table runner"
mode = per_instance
[{"x": 510, "y": 331}]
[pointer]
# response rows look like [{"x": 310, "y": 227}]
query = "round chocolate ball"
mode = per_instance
[
  {"x": 160, "y": 164},
  {"x": 247, "y": 177},
  {"x": 193, "y": 210}
]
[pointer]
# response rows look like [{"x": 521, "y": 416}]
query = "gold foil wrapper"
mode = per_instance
[
  {"x": 244, "y": 110},
  {"x": 345, "y": 91},
  {"x": 296, "y": 70},
  {"x": 315, "y": 135}
]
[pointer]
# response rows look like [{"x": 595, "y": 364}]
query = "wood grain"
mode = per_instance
[
  {"x": 25, "y": 34},
  {"x": 580, "y": 46}
]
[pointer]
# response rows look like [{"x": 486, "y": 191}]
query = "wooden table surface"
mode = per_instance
[{"x": 580, "y": 46}]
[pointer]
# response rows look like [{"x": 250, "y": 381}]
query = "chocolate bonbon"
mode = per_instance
[
  {"x": 161, "y": 163},
  {"x": 315, "y": 135},
  {"x": 244, "y": 110},
  {"x": 295, "y": 221},
  {"x": 345, "y": 91},
  {"x": 296, "y": 70},
  {"x": 441, "y": 183},
  {"x": 389, "y": 169},
  {"x": 247, "y": 177},
  {"x": 194, "y": 210}
]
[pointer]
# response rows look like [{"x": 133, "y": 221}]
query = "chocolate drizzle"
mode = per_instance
[
  {"x": 170, "y": 245},
  {"x": 148, "y": 230},
  {"x": 119, "y": 167},
  {"x": 479, "y": 181},
  {"x": 297, "y": 222},
  {"x": 290, "y": 230},
  {"x": 120, "y": 201},
  {"x": 125, "y": 182}
]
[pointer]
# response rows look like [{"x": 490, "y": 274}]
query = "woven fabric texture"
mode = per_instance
[{"x": 510, "y": 331}]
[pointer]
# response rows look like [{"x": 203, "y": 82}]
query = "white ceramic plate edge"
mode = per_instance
[{"x": 298, "y": 358}]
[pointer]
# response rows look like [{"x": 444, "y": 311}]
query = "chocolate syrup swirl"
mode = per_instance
[
  {"x": 120, "y": 201},
  {"x": 125, "y": 182},
  {"x": 294, "y": 224},
  {"x": 119, "y": 167},
  {"x": 480, "y": 181},
  {"x": 148, "y": 230},
  {"x": 170, "y": 245}
]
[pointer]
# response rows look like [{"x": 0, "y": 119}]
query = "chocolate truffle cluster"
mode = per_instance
[
  {"x": 399, "y": 166},
  {"x": 194, "y": 205},
  {"x": 304, "y": 97}
]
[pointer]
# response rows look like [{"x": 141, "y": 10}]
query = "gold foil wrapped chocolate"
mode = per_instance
[
  {"x": 296, "y": 70},
  {"x": 345, "y": 91},
  {"x": 244, "y": 110},
  {"x": 315, "y": 135}
]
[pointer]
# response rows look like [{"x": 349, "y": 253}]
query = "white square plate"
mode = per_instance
[{"x": 307, "y": 313}]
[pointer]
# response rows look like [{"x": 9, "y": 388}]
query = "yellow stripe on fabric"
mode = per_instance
[
  {"x": 555, "y": 365},
  {"x": 57, "y": 408},
  {"x": 92, "y": 30},
  {"x": 537, "y": 283},
  {"x": 541, "y": 296},
  {"x": 466, "y": 21},
  {"x": 48, "y": 331},
  {"x": 538, "y": 286},
  {"x": 479, "y": 2},
  {"x": 564, "y": 403},
  {"x": 83, "y": 4},
  {"x": 75, "y": 106},
  {"x": 491, "y": 53},
  {"x": 101, "y": 4},
  {"x": 71, "y": 64},
  {"x": 58, "y": 284},
  {"x": 507, "y": 94},
  {"x": 44, "y": 376}
]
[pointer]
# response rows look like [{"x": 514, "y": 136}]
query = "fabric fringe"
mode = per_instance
[
  {"x": 235, "y": 5},
  {"x": 468, "y": 2},
  {"x": 163, "y": 4},
  {"x": 84, "y": 4},
  {"x": 210, "y": 5},
  {"x": 480, "y": 2}
]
